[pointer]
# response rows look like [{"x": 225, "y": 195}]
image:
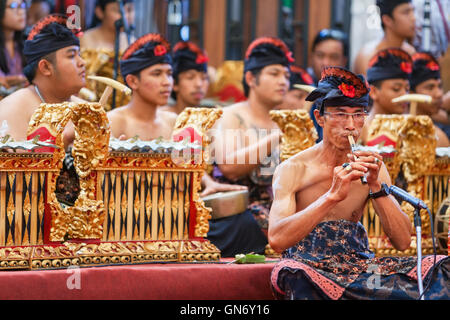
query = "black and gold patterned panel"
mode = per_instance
[
  {"x": 22, "y": 208},
  {"x": 146, "y": 205}
]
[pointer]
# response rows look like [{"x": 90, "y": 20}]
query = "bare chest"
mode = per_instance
[
  {"x": 350, "y": 208},
  {"x": 147, "y": 131}
]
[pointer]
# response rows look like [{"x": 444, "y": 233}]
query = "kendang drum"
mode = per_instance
[
  {"x": 441, "y": 222},
  {"x": 226, "y": 204}
]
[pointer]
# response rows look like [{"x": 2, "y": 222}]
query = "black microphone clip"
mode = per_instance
[{"x": 405, "y": 196}]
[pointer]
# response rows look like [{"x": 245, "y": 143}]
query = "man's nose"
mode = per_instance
[
  {"x": 167, "y": 80},
  {"x": 81, "y": 62},
  {"x": 197, "y": 81},
  {"x": 438, "y": 94},
  {"x": 326, "y": 61},
  {"x": 349, "y": 123}
]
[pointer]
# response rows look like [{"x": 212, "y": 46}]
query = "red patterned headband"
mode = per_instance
[
  {"x": 142, "y": 41},
  {"x": 397, "y": 52},
  {"x": 41, "y": 24},
  {"x": 274, "y": 41}
]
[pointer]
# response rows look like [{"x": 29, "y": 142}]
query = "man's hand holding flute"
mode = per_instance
[{"x": 368, "y": 159}]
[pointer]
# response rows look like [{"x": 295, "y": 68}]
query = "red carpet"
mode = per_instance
[{"x": 206, "y": 281}]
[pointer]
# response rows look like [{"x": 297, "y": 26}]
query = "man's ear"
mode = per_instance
[
  {"x": 132, "y": 81},
  {"x": 45, "y": 67},
  {"x": 319, "y": 119},
  {"x": 99, "y": 13},
  {"x": 250, "y": 79},
  {"x": 374, "y": 92},
  {"x": 388, "y": 21},
  {"x": 175, "y": 87}
]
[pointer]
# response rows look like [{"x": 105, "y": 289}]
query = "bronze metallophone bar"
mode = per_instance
[
  {"x": 23, "y": 182},
  {"x": 435, "y": 190},
  {"x": 145, "y": 204}
]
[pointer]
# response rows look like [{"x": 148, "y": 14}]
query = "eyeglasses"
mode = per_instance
[
  {"x": 333, "y": 34},
  {"x": 358, "y": 117},
  {"x": 16, "y": 5}
]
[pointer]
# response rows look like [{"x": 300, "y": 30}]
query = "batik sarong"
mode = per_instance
[{"x": 334, "y": 262}]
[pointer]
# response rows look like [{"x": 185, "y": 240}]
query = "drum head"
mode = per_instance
[
  {"x": 441, "y": 222},
  {"x": 225, "y": 204}
]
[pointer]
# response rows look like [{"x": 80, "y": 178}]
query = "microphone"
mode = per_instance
[
  {"x": 405, "y": 196},
  {"x": 122, "y": 22}
]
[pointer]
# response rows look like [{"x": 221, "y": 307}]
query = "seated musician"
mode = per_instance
[
  {"x": 191, "y": 81},
  {"x": 295, "y": 97},
  {"x": 190, "y": 76},
  {"x": 54, "y": 69},
  {"x": 146, "y": 67},
  {"x": 426, "y": 79},
  {"x": 104, "y": 35},
  {"x": 398, "y": 22},
  {"x": 388, "y": 75},
  {"x": 249, "y": 160},
  {"x": 319, "y": 200}
]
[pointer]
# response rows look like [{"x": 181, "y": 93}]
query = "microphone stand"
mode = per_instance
[
  {"x": 418, "y": 225},
  {"x": 426, "y": 26},
  {"x": 119, "y": 24},
  {"x": 417, "y": 204}
]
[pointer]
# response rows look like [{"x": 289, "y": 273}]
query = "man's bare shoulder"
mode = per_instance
[
  {"x": 236, "y": 107},
  {"x": 370, "y": 47},
  {"x": 364, "y": 55},
  {"x": 167, "y": 108},
  {"x": 17, "y": 109},
  {"x": 408, "y": 48},
  {"x": 20, "y": 101},
  {"x": 234, "y": 115},
  {"x": 117, "y": 116},
  {"x": 167, "y": 116},
  {"x": 117, "y": 112},
  {"x": 118, "y": 120},
  {"x": 301, "y": 159},
  {"x": 442, "y": 139},
  {"x": 290, "y": 174},
  {"x": 23, "y": 94},
  {"x": 88, "y": 39}
]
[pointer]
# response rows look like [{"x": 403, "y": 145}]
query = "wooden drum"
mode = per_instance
[
  {"x": 441, "y": 221},
  {"x": 226, "y": 204}
]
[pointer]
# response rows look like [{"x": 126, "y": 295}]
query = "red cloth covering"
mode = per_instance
[{"x": 171, "y": 281}]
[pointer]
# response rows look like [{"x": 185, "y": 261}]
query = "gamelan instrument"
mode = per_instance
[
  {"x": 135, "y": 205},
  {"x": 226, "y": 204},
  {"x": 413, "y": 99}
]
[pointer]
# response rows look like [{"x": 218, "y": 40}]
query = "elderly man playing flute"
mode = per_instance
[{"x": 319, "y": 200}]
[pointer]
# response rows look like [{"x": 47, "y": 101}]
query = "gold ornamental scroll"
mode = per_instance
[
  {"x": 90, "y": 148},
  {"x": 387, "y": 126},
  {"x": 415, "y": 143},
  {"x": 195, "y": 122},
  {"x": 417, "y": 153},
  {"x": 84, "y": 219},
  {"x": 298, "y": 131}
]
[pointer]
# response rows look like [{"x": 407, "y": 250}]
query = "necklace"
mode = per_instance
[{"x": 39, "y": 93}]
